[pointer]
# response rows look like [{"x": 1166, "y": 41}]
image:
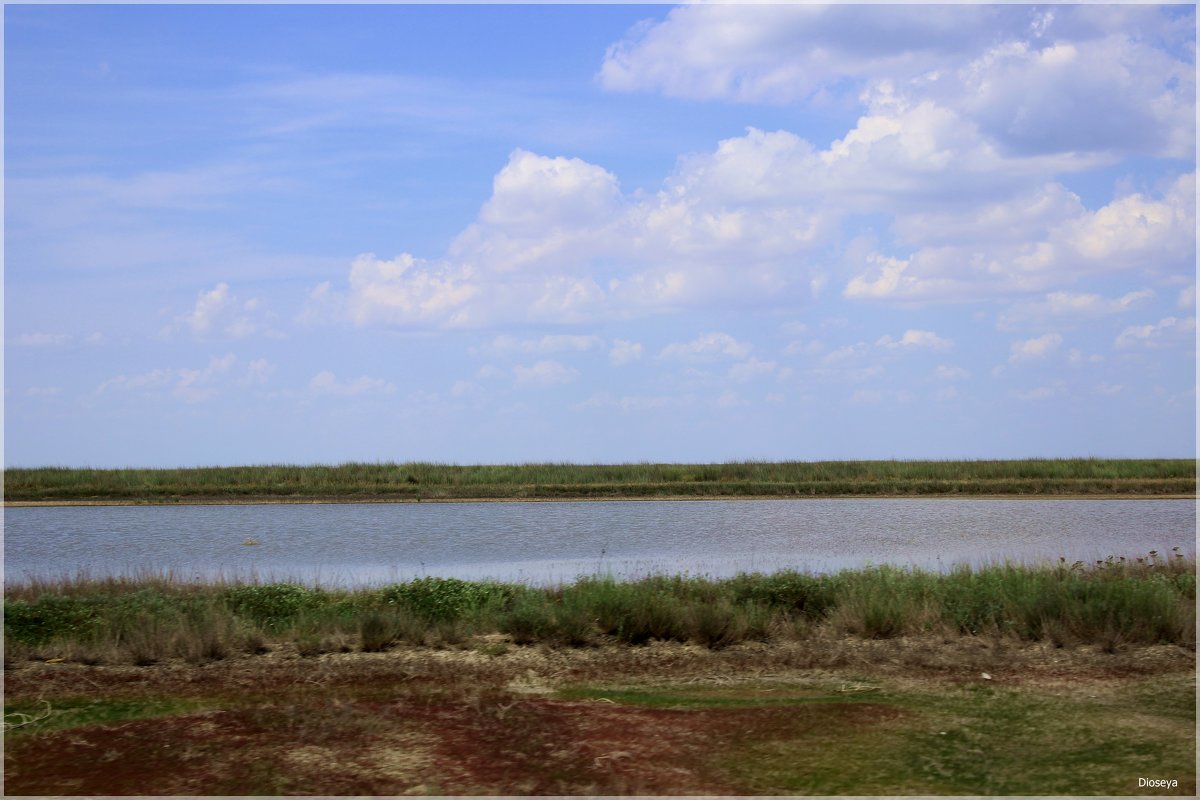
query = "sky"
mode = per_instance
[{"x": 597, "y": 234}]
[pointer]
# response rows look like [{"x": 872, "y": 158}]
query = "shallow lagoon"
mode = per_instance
[{"x": 539, "y": 542}]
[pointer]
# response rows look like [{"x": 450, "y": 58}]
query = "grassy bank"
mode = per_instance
[
  {"x": 1118, "y": 601},
  {"x": 926, "y": 714},
  {"x": 425, "y": 481}
]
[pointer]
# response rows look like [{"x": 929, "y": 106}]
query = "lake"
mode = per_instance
[{"x": 541, "y": 543}]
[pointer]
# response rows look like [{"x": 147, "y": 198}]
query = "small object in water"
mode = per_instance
[{"x": 249, "y": 542}]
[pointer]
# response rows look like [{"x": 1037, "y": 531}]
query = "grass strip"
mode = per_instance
[
  {"x": 1110, "y": 603},
  {"x": 431, "y": 481}
]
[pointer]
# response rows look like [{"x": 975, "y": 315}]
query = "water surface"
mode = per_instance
[{"x": 348, "y": 544}]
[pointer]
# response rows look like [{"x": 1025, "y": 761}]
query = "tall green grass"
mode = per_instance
[
  {"x": 421, "y": 480},
  {"x": 143, "y": 621}
]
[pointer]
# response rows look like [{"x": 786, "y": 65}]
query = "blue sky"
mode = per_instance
[{"x": 481, "y": 234}]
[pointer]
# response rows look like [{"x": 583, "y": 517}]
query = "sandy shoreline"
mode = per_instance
[{"x": 259, "y": 501}]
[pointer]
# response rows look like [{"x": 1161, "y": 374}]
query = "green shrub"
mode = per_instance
[
  {"x": 50, "y": 617},
  {"x": 811, "y": 595},
  {"x": 443, "y": 599},
  {"x": 714, "y": 625},
  {"x": 531, "y": 619},
  {"x": 375, "y": 632},
  {"x": 273, "y": 606}
]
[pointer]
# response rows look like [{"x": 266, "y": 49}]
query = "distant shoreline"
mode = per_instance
[
  {"x": 300, "y": 501},
  {"x": 423, "y": 482}
]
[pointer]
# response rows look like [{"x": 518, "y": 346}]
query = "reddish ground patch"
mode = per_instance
[
  {"x": 459, "y": 722},
  {"x": 486, "y": 744}
]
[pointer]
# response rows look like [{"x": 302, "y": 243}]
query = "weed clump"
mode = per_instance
[{"x": 1112, "y": 603}]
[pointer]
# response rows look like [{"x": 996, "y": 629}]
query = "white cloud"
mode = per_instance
[
  {"x": 1078, "y": 79},
  {"x": 1032, "y": 349},
  {"x": 552, "y": 343},
  {"x": 1187, "y": 297},
  {"x": 544, "y": 373},
  {"x": 43, "y": 339},
  {"x": 626, "y": 403},
  {"x": 1072, "y": 305},
  {"x": 406, "y": 290},
  {"x": 218, "y": 312},
  {"x": 1040, "y": 393},
  {"x": 706, "y": 347},
  {"x": 194, "y": 385},
  {"x": 746, "y": 371},
  {"x": 1166, "y": 331},
  {"x": 533, "y": 191},
  {"x": 326, "y": 383},
  {"x": 867, "y": 397},
  {"x": 780, "y": 53},
  {"x": 488, "y": 371},
  {"x": 1109, "y": 389},
  {"x": 465, "y": 389},
  {"x": 850, "y": 351},
  {"x": 153, "y": 379},
  {"x": 1076, "y": 357},
  {"x": 1130, "y": 230},
  {"x": 624, "y": 352},
  {"x": 1129, "y": 233},
  {"x": 946, "y": 394},
  {"x": 915, "y": 339},
  {"x": 802, "y": 348},
  {"x": 951, "y": 373},
  {"x": 728, "y": 399},
  {"x": 189, "y": 385},
  {"x": 258, "y": 373},
  {"x": 971, "y": 194}
]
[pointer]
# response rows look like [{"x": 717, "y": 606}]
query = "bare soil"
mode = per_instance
[{"x": 494, "y": 718}]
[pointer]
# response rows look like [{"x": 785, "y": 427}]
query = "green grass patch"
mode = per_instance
[
  {"x": 972, "y": 739},
  {"x": 1113, "y": 603},
  {"x": 26, "y": 718},
  {"x": 421, "y": 480},
  {"x": 694, "y": 698}
]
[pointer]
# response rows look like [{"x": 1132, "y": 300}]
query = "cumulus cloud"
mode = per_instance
[
  {"x": 1167, "y": 331},
  {"x": 544, "y": 373},
  {"x": 948, "y": 373},
  {"x": 781, "y": 53},
  {"x": 407, "y": 290},
  {"x": 745, "y": 371},
  {"x": 326, "y": 383},
  {"x": 1071, "y": 80},
  {"x": 624, "y": 352},
  {"x": 970, "y": 187},
  {"x": 1074, "y": 304},
  {"x": 706, "y": 347},
  {"x": 218, "y": 312},
  {"x": 1040, "y": 392},
  {"x": 551, "y": 343},
  {"x": 187, "y": 384},
  {"x": 1033, "y": 349},
  {"x": 1133, "y": 232},
  {"x": 626, "y": 403},
  {"x": 42, "y": 339},
  {"x": 914, "y": 339},
  {"x": 258, "y": 373},
  {"x": 1187, "y": 297}
]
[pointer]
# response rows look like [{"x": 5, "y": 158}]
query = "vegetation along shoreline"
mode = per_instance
[{"x": 430, "y": 482}]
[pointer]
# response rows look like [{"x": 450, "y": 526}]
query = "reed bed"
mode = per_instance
[
  {"x": 145, "y": 620},
  {"x": 420, "y": 480}
]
